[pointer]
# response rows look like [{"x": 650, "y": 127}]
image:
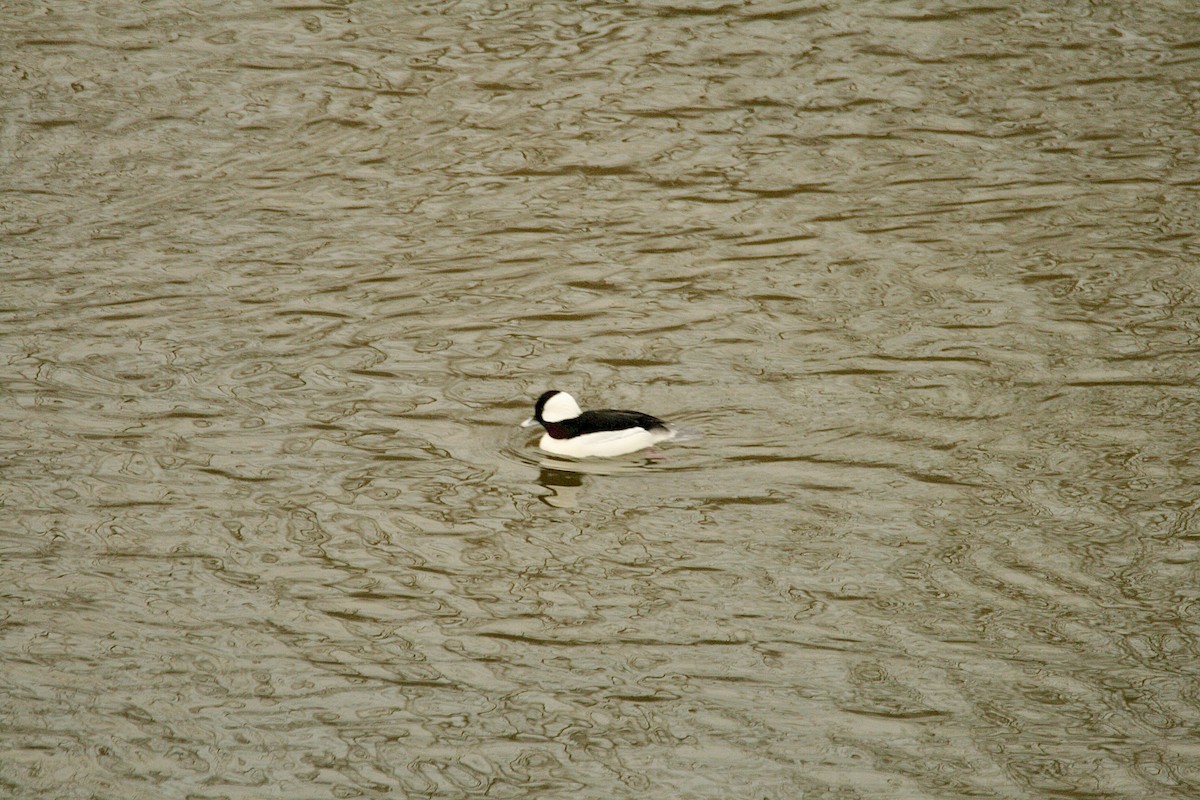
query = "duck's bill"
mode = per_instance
[{"x": 529, "y": 423}]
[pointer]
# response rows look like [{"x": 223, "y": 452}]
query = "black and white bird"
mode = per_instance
[{"x": 570, "y": 431}]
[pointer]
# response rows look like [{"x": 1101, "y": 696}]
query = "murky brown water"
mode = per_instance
[{"x": 278, "y": 283}]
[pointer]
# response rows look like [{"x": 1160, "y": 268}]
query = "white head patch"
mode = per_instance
[{"x": 559, "y": 407}]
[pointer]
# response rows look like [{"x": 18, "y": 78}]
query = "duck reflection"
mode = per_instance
[
  {"x": 564, "y": 479},
  {"x": 563, "y": 487}
]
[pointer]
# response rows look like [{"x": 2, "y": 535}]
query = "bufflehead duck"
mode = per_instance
[{"x": 570, "y": 431}]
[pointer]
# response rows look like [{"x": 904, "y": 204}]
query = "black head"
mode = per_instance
[
  {"x": 551, "y": 410},
  {"x": 540, "y": 405}
]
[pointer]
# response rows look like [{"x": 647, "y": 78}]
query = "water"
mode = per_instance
[{"x": 279, "y": 282}]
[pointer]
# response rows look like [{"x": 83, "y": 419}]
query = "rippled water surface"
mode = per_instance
[{"x": 279, "y": 281}]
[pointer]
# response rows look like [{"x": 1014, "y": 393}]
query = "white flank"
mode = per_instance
[{"x": 604, "y": 444}]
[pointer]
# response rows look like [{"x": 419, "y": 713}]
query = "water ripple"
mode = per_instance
[{"x": 279, "y": 285}]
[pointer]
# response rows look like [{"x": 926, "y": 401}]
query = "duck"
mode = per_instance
[{"x": 571, "y": 431}]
